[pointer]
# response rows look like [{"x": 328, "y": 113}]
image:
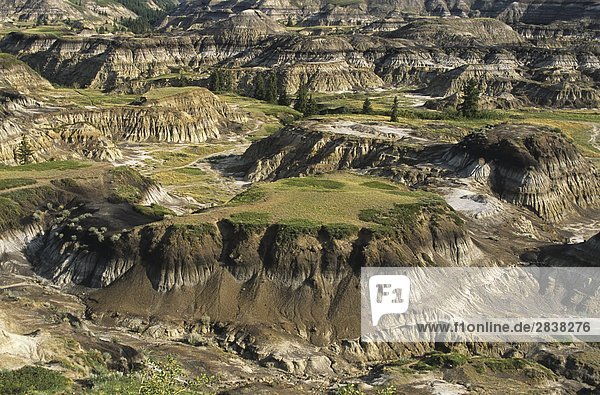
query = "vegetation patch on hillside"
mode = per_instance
[
  {"x": 10, "y": 183},
  {"x": 46, "y": 166},
  {"x": 32, "y": 380}
]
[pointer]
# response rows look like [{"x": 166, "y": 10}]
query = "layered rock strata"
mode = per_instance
[{"x": 537, "y": 169}]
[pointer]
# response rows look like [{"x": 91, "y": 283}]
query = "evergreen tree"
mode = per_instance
[
  {"x": 282, "y": 96},
  {"x": 220, "y": 81},
  {"x": 470, "y": 100},
  {"x": 24, "y": 152},
  {"x": 284, "y": 99},
  {"x": 394, "y": 114},
  {"x": 271, "y": 89},
  {"x": 367, "y": 106},
  {"x": 312, "y": 107},
  {"x": 226, "y": 80},
  {"x": 215, "y": 82},
  {"x": 260, "y": 89},
  {"x": 301, "y": 98}
]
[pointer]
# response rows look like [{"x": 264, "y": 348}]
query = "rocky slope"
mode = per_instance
[
  {"x": 437, "y": 55},
  {"x": 244, "y": 273},
  {"x": 311, "y": 148},
  {"x": 15, "y": 74},
  {"x": 88, "y": 13},
  {"x": 534, "y": 168},
  {"x": 530, "y": 167},
  {"x": 333, "y": 13},
  {"x": 581, "y": 254},
  {"x": 190, "y": 115}
]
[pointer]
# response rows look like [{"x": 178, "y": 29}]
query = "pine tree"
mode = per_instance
[
  {"x": 226, "y": 81},
  {"x": 470, "y": 101},
  {"x": 367, "y": 106},
  {"x": 271, "y": 89},
  {"x": 301, "y": 98},
  {"x": 312, "y": 107},
  {"x": 24, "y": 152},
  {"x": 394, "y": 114},
  {"x": 215, "y": 82},
  {"x": 260, "y": 89},
  {"x": 284, "y": 99}
]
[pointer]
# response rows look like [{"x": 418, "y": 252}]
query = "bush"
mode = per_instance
[
  {"x": 31, "y": 379},
  {"x": 341, "y": 231},
  {"x": 449, "y": 360}
]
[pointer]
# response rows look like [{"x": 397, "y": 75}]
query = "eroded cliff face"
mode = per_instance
[
  {"x": 540, "y": 170},
  {"x": 436, "y": 55},
  {"x": 189, "y": 116},
  {"x": 60, "y": 10},
  {"x": 524, "y": 165},
  {"x": 310, "y": 149},
  {"x": 327, "y": 13},
  {"x": 246, "y": 273}
]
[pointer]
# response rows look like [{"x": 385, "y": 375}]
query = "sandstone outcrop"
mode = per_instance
[
  {"x": 231, "y": 270},
  {"x": 538, "y": 169},
  {"x": 437, "y": 56},
  {"x": 17, "y": 75},
  {"x": 191, "y": 117},
  {"x": 309, "y": 149},
  {"x": 586, "y": 253}
]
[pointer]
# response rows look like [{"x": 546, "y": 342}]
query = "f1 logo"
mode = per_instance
[{"x": 389, "y": 294}]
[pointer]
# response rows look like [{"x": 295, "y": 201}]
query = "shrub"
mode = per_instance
[
  {"x": 341, "y": 231},
  {"x": 30, "y": 379}
]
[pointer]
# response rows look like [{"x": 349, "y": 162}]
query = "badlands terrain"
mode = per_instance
[{"x": 189, "y": 190}]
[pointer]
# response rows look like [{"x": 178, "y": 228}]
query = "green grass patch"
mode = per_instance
[
  {"x": 154, "y": 211},
  {"x": 195, "y": 230},
  {"x": 47, "y": 166},
  {"x": 258, "y": 106},
  {"x": 250, "y": 221},
  {"x": 191, "y": 171},
  {"x": 250, "y": 217},
  {"x": 127, "y": 185},
  {"x": 32, "y": 380},
  {"x": 10, "y": 183},
  {"x": 289, "y": 230},
  {"x": 265, "y": 130},
  {"x": 380, "y": 185},
  {"x": 313, "y": 182},
  {"x": 336, "y": 198},
  {"x": 447, "y": 360},
  {"x": 251, "y": 195}
]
